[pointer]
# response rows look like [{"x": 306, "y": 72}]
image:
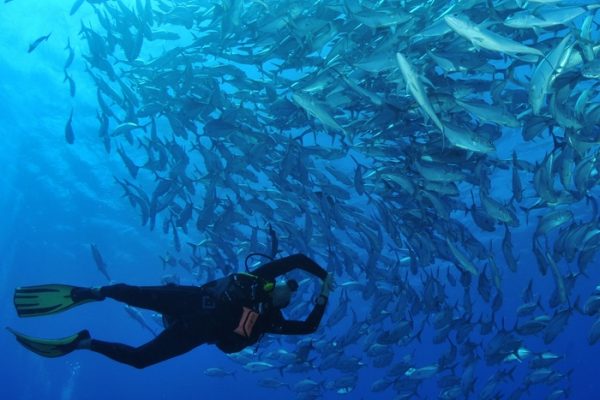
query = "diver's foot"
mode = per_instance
[
  {"x": 84, "y": 341},
  {"x": 81, "y": 294},
  {"x": 96, "y": 292}
]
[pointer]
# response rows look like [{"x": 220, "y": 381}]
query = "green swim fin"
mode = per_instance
[
  {"x": 50, "y": 347},
  {"x": 33, "y": 301}
]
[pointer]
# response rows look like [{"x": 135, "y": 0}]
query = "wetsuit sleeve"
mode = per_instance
[
  {"x": 284, "y": 327},
  {"x": 284, "y": 265}
]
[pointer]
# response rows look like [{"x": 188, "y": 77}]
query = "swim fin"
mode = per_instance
[
  {"x": 33, "y": 301},
  {"x": 51, "y": 347}
]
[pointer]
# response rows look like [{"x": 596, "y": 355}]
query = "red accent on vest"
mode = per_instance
[{"x": 247, "y": 322}]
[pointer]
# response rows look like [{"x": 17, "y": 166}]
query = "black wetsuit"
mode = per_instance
[{"x": 206, "y": 314}]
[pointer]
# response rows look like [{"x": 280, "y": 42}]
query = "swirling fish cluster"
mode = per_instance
[{"x": 237, "y": 115}]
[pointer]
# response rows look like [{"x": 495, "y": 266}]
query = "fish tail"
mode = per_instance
[{"x": 526, "y": 210}]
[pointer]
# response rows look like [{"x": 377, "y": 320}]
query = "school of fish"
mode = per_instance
[{"x": 404, "y": 144}]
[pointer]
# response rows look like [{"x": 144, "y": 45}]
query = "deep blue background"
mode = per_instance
[{"x": 56, "y": 199}]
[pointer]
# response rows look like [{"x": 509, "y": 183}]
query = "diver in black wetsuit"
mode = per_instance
[{"x": 232, "y": 312}]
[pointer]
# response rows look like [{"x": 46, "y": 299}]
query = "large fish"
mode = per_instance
[
  {"x": 69, "y": 134},
  {"x": 71, "y": 55},
  {"x": 486, "y": 39},
  {"x": 99, "y": 261},
  {"x": 75, "y": 6},
  {"x": 495, "y": 209},
  {"x": 71, "y": 83},
  {"x": 37, "y": 42},
  {"x": 466, "y": 139},
  {"x": 558, "y": 278},
  {"x": 490, "y": 113},
  {"x": 507, "y": 250},
  {"x": 417, "y": 90},
  {"x": 317, "y": 110},
  {"x": 546, "y": 16},
  {"x": 461, "y": 260},
  {"x": 552, "y": 221},
  {"x": 544, "y": 72},
  {"x": 517, "y": 187}
]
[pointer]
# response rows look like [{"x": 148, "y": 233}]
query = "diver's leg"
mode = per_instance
[
  {"x": 173, "y": 341},
  {"x": 169, "y": 299}
]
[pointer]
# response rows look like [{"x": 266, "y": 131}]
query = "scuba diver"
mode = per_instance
[{"x": 232, "y": 312}]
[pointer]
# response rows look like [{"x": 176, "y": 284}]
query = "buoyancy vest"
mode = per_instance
[
  {"x": 239, "y": 299},
  {"x": 233, "y": 300},
  {"x": 242, "y": 300}
]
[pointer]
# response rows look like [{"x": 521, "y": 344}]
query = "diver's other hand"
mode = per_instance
[{"x": 328, "y": 285}]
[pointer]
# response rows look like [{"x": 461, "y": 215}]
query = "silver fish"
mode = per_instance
[{"x": 481, "y": 37}]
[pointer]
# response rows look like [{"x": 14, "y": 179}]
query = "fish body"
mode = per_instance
[
  {"x": 594, "y": 334},
  {"x": 544, "y": 360},
  {"x": 483, "y": 38},
  {"x": 381, "y": 19},
  {"x": 556, "y": 325},
  {"x": 490, "y": 113},
  {"x": 498, "y": 211},
  {"x": 592, "y": 305},
  {"x": 416, "y": 89},
  {"x": 553, "y": 220},
  {"x": 533, "y": 326},
  {"x": 528, "y": 308},
  {"x": 317, "y": 110},
  {"x": 129, "y": 164},
  {"x": 462, "y": 261},
  {"x": 71, "y": 84},
  {"x": 545, "y": 70},
  {"x": 37, "y": 42},
  {"x": 305, "y": 385},
  {"x": 558, "y": 278},
  {"x": 466, "y": 139},
  {"x": 70, "y": 57},
  {"x": 422, "y": 373},
  {"x": 437, "y": 172},
  {"x": 272, "y": 383},
  {"x": 125, "y": 128},
  {"x": 258, "y": 366},
  {"x": 545, "y": 16},
  {"x": 218, "y": 372},
  {"x": 69, "y": 134},
  {"x": 136, "y": 315},
  {"x": 76, "y": 6},
  {"x": 517, "y": 187},
  {"x": 100, "y": 264}
]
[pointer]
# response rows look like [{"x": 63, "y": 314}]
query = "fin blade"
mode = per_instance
[
  {"x": 50, "y": 348},
  {"x": 33, "y": 301}
]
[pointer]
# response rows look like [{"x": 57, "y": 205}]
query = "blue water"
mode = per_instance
[{"x": 56, "y": 199}]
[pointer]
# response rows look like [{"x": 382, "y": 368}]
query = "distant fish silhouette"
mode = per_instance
[
  {"x": 69, "y": 135},
  {"x": 71, "y": 56},
  {"x": 71, "y": 83},
  {"x": 37, "y": 42},
  {"x": 76, "y": 6}
]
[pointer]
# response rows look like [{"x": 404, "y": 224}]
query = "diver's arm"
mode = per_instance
[
  {"x": 284, "y": 265},
  {"x": 282, "y": 326}
]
